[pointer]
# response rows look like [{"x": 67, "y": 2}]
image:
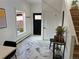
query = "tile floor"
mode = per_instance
[{"x": 34, "y": 48}]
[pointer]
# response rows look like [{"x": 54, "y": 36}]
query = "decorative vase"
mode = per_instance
[{"x": 59, "y": 38}]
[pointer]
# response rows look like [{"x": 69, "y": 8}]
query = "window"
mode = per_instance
[
  {"x": 20, "y": 22},
  {"x": 38, "y": 17}
]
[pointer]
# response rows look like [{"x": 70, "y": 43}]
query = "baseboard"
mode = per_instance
[{"x": 22, "y": 37}]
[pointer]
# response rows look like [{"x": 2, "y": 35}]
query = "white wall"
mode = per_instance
[
  {"x": 51, "y": 17},
  {"x": 10, "y": 7},
  {"x": 36, "y": 8}
]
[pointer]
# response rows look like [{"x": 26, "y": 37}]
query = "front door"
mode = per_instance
[{"x": 37, "y": 23}]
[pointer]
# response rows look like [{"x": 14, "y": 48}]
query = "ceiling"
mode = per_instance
[
  {"x": 34, "y": 1},
  {"x": 51, "y": 5}
]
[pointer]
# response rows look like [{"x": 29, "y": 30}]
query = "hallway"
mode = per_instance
[{"x": 34, "y": 48}]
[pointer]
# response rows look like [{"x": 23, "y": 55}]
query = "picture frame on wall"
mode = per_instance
[{"x": 3, "y": 23}]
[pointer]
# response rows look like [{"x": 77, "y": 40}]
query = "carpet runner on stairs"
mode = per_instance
[{"x": 75, "y": 19}]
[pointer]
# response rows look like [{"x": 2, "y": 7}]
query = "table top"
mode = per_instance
[
  {"x": 5, "y": 50},
  {"x": 59, "y": 43}
]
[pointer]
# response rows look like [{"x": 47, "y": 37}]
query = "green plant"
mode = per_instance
[
  {"x": 60, "y": 30},
  {"x": 74, "y": 2},
  {"x": 21, "y": 29}
]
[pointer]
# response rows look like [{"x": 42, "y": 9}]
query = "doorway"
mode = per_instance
[{"x": 37, "y": 23}]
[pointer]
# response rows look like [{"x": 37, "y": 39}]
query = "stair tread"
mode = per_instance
[
  {"x": 75, "y": 26},
  {"x": 76, "y": 52},
  {"x": 76, "y": 49},
  {"x": 77, "y": 31},
  {"x": 76, "y": 21}
]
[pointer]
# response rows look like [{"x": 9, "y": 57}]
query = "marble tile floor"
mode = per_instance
[{"x": 34, "y": 48}]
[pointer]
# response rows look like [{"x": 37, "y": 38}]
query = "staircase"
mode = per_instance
[{"x": 75, "y": 19}]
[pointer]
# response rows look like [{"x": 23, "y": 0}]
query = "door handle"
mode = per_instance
[{"x": 44, "y": 27}]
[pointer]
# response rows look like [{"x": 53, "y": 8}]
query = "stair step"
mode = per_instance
[
  {"x": 77, "y": 20},
  {"x": 74, "y": 12},
  {"x": 76, "y": 23},
  {"x": 78, "y": 39},
  {"x": 76, "y": 47},
  {"x": 77, "y": 28},
  {"x": 75, "y": 56},
  {"x": 76, "y": 52},
  {"x": 75, "y": 16},
  {"x": 77, "y": 33}
]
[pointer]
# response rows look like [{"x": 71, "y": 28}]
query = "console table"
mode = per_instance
[
  {"x": 6, "y": 51},
  {"x": 58, "y": 53}
]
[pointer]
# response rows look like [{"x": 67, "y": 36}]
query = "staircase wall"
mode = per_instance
[{"x": 71, "y": 35}]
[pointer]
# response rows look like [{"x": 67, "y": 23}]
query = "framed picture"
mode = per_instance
[{"x": 3, "y": 23}]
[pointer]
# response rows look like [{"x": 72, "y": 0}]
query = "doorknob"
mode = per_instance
[{"x": 44, "y": 27}]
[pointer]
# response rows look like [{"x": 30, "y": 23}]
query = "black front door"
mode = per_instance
[{"x": 37, "y": 23}]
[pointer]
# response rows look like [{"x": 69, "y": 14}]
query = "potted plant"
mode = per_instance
[
  {"x": 21, "y": 29},
  {"x": 74, "y": 4},
  {"x": 60, "y": 30},
  {"x": 59, "y": 34}
]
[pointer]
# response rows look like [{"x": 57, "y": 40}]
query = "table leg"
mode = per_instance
[{"x": 53, "y": 49}]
